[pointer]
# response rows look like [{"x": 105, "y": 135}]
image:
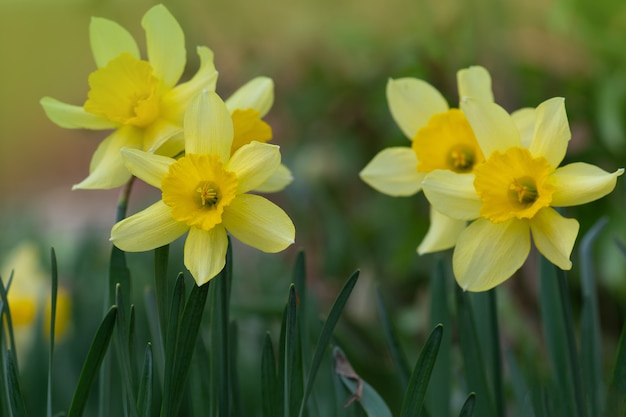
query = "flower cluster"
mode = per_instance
[
  {"x": 205, "y": 155},
  {"x": 498, "y": 171}
]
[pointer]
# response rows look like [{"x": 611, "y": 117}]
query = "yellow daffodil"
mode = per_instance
[
  {"x": 511, "y": 195},
  {"x": 205, "y": 193},
  {"x": 441, "y": 139},
  {"x": 29, "y": 297},
  {"x": 139, "y": 99},
  {"x": 247, "y": 106}
]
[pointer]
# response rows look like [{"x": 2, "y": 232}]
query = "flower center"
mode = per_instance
[
  {"x": 248, "y": 127},
  {"x": 198, "y": 188},
  {"x": 125, "y": 91},
  {"x": 523, "y": 190},
  {"x": 208, "y": 193},
  {"x": 513, "y": 184},
  {"x": 447, "y": 142}
]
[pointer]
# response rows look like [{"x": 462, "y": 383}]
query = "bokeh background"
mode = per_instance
[{"x": 330, "y": 61}]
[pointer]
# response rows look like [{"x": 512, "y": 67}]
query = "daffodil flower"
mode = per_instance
[
  {"x": 205, "y": 193},
  {"x": 139, "y": 99},
  {"x": 511, "y": 195},
  {"x": 441, "y": 139},
  {"x": 247, "y": 106}
]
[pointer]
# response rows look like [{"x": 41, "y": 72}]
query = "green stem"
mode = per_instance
[
  {"x": 122, "y": 201},
  {"x": 497, "y": 352}
]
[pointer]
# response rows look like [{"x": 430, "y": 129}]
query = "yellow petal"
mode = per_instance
[
  {"x": 442, "y": 234},
  {"x": 551, "y": 131},
  {"x": 580, "y": 183},
  {"x": 452, "y": 194},
  {"x": 492, "y": 125},
  {"x": 253, "y": 163},
  {"x": 257, "y": 94},
  {"x": 148, "y": 167},
  {"x": 176, "y": 100},
  {"x": 109, "y": 40},
  {"x": 280, "y": 179},
  {"x": 158, "y": 133},
  {"x": 487, "y": 254},
  {"x": 412, "y": 103},
  {"x": 107, "y": 169},
  {"x": 205, "y": 253},
  {"x": 393, "y": 171},
  {"x": 524, "y": 119},
  {"x": 475, "y": 82},
  {"x": 554, "y": 236},
  {"x": 149, "y": 229},
  {"x": 73, "y": 117},
  {"x": 259, "y": 223},
  {"x": 166, "y": 44},
  {"x": 208, "y": 126}
]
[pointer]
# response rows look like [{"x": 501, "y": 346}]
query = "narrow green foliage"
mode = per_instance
[
  {"x": 360, "y": 391},
  {"x": 6, "y": 311},
  {"x": 559, "y": 333},
  {"x": 520, "y": 387},
  {"x": 326, "y": 334},
  {"x": 160, "y": 286},
  {"x": 16, "y": 401},
  {"x": 290, "y": 341},
  {"x": 590, "y": 335},
  {"x": 616, "y": 398},
  {"x": 176, "y": 307},
  {"x": 475, "y": 371},
  {"x": 91, "y": 366},
  {"x": 269, "y": 380},
  {"x": 235, "y": 391},
  {"x": 418, "y": 383},
  {"x": 468, "y": 406},
  {"x": 155, "y": 333},
  {"x": 220, "y": 343},
  {"x": 439, "y": 395},
  {"x": 123, "y": 354},
  {"x": 144, "y": 397},
  {"x": 186, "y": 338},
  {"x": 397, "y": 356},
  {"x": 53, "y": 311}
]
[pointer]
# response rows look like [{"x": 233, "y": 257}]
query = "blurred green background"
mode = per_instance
[{"x": 330, "y": 61}]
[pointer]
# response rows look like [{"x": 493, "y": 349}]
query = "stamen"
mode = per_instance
[
  {"x": 461, "y": 159},
  {"x": 523, "y": 190},
  {"x": 208, "y": 194}
]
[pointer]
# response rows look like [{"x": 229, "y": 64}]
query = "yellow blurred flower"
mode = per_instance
[
  {"x": 206, "y": 194},
  {"x": 29, "y": 296},
  {"x": 139, "y": 99},
  {"x": 512, "y": 194},
  {"x": 441, "y": 139}
]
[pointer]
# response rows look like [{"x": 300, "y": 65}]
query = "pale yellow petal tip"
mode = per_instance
[{"x": 619, "y": 172}]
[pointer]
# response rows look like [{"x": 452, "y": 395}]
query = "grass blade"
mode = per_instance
[
  {"x": 144, "y": 397},
  {"x": 559, "y": 332},
  {"x": 475, "y": 371},
  {"x": 220, "y": 343},
  {"x": 397, "y": 356},
  {"x": 269, "y": 380},
  {"x": 188, "y": 329},
  {"x": 91, "y": 366},
  {"x": 468, "y": 407},
  {"x": 439, "y": 395},
  {"x": 590, "y": 336},
  {"x": 616, "y": 398},
  {"x": 53, "y": 309},
  {"x": 160, "y": 286},
  {"x": 326, "y": 334},
  {"x": 290, "y": 341},
  {"x": 122, "y": 348},
  {"x": 171, "y": 343},
  {"x": 16, "y": 401},
  {"x": 418, "y": 383}
]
